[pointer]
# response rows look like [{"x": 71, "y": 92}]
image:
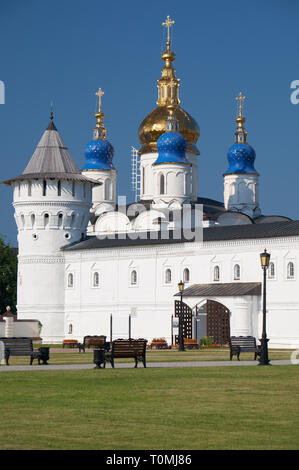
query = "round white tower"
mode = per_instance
[
  {"x": 52, "y": 201},
  {"x": 241, "y": 180}
]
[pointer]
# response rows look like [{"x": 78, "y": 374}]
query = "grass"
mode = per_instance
[{"x": 183, "y": 408}]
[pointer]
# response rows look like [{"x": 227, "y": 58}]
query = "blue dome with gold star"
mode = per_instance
[
  {"x": 241, "y": 157},
  {"x": 171, "y": 148},
  {"x": 99, "y": 155}
]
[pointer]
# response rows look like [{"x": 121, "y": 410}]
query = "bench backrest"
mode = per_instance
[
  {"x": 18, "y": 345},
  {"x": 128, "y": 347},
  {"x": 243, "y": 341},
  {"x": 94, "y": 340}
]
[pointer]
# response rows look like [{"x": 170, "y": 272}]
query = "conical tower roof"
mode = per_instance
[{"x": 51, "y": 159}]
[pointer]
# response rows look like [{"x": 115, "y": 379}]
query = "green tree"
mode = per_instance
[{"x": 8, "y": 276}]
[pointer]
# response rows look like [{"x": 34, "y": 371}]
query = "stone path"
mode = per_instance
[{"x": 150, "y": 365}]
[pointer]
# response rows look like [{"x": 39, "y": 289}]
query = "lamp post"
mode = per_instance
[
  {"x": 264, "y": 360},
  {"x": 181, "y": 333}
]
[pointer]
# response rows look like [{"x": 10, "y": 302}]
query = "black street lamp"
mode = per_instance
[
  {"x": 264, "y": 360},
  {"x": 181, "y": 333}
]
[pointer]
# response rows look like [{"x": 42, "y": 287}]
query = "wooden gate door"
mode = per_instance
[
  {"x": 187, "y": 319},
  {"x": 218, "y": 322}
]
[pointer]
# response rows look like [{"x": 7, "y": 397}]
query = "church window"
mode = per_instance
[
  {"x": 168, "y": 276},
  {"x": 216, "y": 273},
  {"x": 23, "y": 220},
  {"x": 73, "y": 188},
  {"x": 84, "y": 190},
  {"x": 29, "y": 188},
  {"x": 108, "y": 189},
  {"x": 271, "y": 271},
  {"x": 291, "y": 270},
  {"x": 237, "y": 272},
  {"x": 133, "y": 277},
  {"x": 162, "y": 184},
  {"x": 60, "y": 219},
  {"x": 46, "y": 220},
  {"x": 59, "y": 188},
  {"x": 32, "y": 220},
  {"x": 96, "y": 279},
  {"x": 186, "y": 275},
  {"x": 44, "y": 188},
  {"x": 70, "y": 329},
  {"x": 70, "y": 280}
]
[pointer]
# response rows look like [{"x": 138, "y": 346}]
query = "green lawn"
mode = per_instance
[{"x": 184, "y": 408}]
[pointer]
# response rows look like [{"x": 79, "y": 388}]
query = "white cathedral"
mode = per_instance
[{"x": 85, "y": 260}]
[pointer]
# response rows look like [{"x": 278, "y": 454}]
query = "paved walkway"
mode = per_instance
[{"x": 150, "y": 365}]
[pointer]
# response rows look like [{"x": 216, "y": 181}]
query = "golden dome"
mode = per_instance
[{"x": 154, "y": 124}]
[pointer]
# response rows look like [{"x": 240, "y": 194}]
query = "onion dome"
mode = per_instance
[
  {"x": 172, "y": 144},
  {"x": 99, "y": 152},
  {"x": 241, "y": 155},
  {"x": 154, "y": 125}
]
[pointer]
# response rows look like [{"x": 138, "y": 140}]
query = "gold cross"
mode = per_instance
[
  {"x": 168, "y": 23},
  {"x": 240, "y": 98},
  {"x": 100, "y": 93}
]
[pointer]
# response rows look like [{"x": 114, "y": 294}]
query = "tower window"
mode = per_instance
[
  {"x": 168, "y": 276},
  {"x": 70, "y": 329},
  {"x": 237, "y": 272},
  {"x": 73, "y": 188},
  {"x": 44, "y": 188},
  {"x": 133, "y": 278},
  {"x": 162, "y": 184},
  {"x": 291, "y": 270},
  {"x": 108, "y": 187},
  {"x": 216, "y": 273},
  {"x": 29, "y": 188},
  {"x": 59, "y": 188}
]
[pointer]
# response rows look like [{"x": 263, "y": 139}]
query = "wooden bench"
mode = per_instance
[
  {"x": 240, "y": 344},
  {"x": 70, "y": 343},
  {"x": 127, "y": 348},
  {"x": 20, "y": 347}
]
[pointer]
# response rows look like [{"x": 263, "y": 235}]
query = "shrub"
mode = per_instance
[{"x": 206, "y": 340}]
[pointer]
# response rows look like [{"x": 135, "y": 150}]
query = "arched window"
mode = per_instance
[
  {"x": 271, "y": 270},
  {"x": 73, "y": 188},
  {"x": 162, "y": 184},
  {"x": 96, "y": 279},
  {"x": 70, "y": 329},
  {"x": 58, "y": 188},
  {"x": 133, "y": 277},
  {"x": 168, "y": 276},
  {"x": 291, "y": 270},
  {"x": 44, "y": 188},
  {"x": 216, "y": 273},
  {"x": 46, "y": 220},
  {"x": 70, "y": 280},
  {"x": 108, "y": 189},
  {"x": 237, "y": 272},
  {"x": 29, "y": 188},
  {"x": 186, "y": 275},
  {"x": 32, "y": 220},
  {"x": 60, "y": 220},
  {"x": 22, "y": 220}
]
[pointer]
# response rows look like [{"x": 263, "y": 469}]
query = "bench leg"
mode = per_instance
[
  {"x": 144, "y": 362},
  {"x": 112, "y": 362},
  {"x": 136, "y": 362}
]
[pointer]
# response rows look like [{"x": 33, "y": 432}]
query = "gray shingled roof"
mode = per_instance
[
  {"x": 51, "y": 159},
  {"x": 233, "y": 232},
  {"x": 229, "y": 289}
]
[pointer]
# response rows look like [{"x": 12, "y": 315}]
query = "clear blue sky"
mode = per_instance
[{"x": 64, "y": 50}]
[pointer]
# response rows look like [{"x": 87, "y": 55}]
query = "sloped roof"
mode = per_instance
[
  {"x": 51, "y": 159},
  {"x": 229, "y": 289},
  {"x": 234, "y": 232}
]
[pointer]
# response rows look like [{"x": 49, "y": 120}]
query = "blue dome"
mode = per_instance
[
  {"x": 99, "y": 155},
  {"x": 171, "y": 148},
  {"x": 241, "y": 159}
]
